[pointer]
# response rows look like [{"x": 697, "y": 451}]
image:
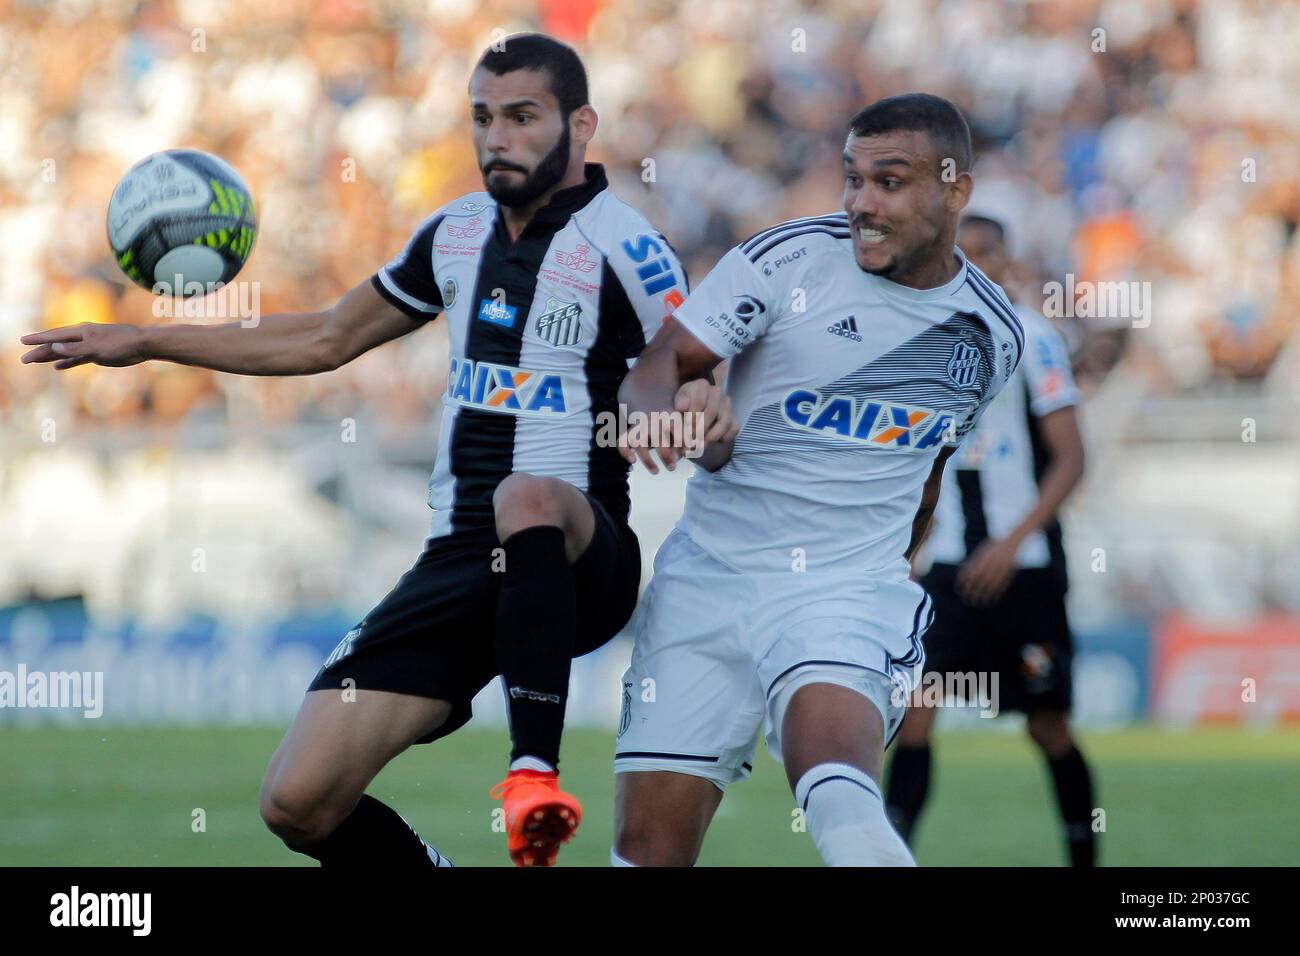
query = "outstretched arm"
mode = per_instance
[{"x": 291, "y": 343}]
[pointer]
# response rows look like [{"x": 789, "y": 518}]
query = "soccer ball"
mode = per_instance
[{"x": 181, "y": 222}]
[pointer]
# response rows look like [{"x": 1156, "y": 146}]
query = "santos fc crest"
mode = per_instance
[{"x": 561, "y": 323}]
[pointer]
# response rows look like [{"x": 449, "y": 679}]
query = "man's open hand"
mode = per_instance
[{"x": 73, "y": 345}]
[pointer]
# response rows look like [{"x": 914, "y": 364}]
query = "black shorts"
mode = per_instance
[
  {"x": 433, "y": 635},
  {"x": 1024, "y": 638}
]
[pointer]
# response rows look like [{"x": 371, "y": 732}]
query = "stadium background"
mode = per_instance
[{"x": 204, "y": 539}]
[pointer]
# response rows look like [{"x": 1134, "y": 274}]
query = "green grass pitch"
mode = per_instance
[{"x": 122, "y": 796}]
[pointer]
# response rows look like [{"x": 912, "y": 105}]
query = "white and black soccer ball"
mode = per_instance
[{"x": 181, "y": 222}]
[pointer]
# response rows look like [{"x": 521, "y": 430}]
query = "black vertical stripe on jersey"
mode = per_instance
[
  {"x": 972, "y": 508},
  {"x": 483, "y": 443},
  {"x": 619, "y": 337},
  {"x": 1042, "y": 458}
]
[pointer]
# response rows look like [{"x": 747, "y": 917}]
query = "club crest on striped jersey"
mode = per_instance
[
  {"x": 963, "y": 365},
  {"x": 877, "y": 424},
  {"x": 505, "y": 389},
  {"x": 561, "y": 323}
]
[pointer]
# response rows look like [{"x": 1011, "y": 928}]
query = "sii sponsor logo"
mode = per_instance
[
  {"x": 878, "y": 424},
  {"x": 846, "y": 328},
  {"x": 498, "y": 313},
  {"x": 501, "y": 388},
  {"x": 654, "y": 270}
]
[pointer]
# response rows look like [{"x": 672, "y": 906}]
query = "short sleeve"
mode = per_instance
[
  {"x": 652, "y": 277},
  {"x": 1047, "y": 370},
  {"x": 731, "y": 308},
  {"x": 408, "y": 280}
]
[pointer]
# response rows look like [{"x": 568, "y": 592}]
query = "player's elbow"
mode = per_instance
[
  {"x": 327, "y": 350},
  {"x": 1070, "y": 457}
]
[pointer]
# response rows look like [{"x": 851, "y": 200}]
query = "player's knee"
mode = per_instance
[
  {"x": 655, "y": 842},
  {"x": 1050, "y": 730},
  {"x": 296, "y": 816},
  {"x": 646, "y": 835},
  {"x": 524, "y": 501}
]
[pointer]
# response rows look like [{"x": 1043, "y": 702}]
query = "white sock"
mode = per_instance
[
  {"x": 616, "y": 860},
  {"x": 531, "y": 763},
  {"x": 847, "y": 820}
]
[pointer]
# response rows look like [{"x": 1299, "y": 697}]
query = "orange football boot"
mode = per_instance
[{"x": 539, "y": 815}]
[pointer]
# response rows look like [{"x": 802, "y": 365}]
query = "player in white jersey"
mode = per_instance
[
  {"x": 865, "y": 346},
  {"x": 997, "y": 576}
]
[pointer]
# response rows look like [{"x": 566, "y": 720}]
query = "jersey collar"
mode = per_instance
[
  {"x": 568, "y": 201},
  {"x": 894, "y": 290}
]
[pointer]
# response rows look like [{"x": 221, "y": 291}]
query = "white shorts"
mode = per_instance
[{"x": 719, "y": 653}]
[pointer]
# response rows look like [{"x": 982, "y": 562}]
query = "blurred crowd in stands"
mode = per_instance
[{"x": 1152, "y": 142}]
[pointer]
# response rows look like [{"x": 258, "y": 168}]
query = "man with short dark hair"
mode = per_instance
[
  {"x": 550, "y": 287},
  {"x": 863, "y": 347}
]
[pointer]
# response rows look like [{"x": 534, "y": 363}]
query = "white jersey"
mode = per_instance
[
  {"x": 847, "y": 386},
  {"x": 991, "y": 482}
]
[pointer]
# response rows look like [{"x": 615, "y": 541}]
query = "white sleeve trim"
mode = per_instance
[{"x": 408, "y": 299}]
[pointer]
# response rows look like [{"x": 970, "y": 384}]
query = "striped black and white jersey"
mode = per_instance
[
  {"x": 542, "y": 332},
  {"x": 847, "y": 386},
  {"x": 991, "y": 482}
]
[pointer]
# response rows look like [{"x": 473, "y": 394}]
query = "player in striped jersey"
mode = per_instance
[
  {"x": 998, "y": 576},
  {"x": 865, "y": 345},
  {"x": 550, "y": 287}
]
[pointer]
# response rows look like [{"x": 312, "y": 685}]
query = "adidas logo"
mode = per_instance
[{"x": 847, "y": 328}]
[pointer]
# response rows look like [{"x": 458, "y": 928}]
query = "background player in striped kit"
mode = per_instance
[
  {"x": 998, "y": 576},
  {"x": 550, "y": 287},
  {"x": 864, "y": 345}
]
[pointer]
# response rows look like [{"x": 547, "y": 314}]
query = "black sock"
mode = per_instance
[
  {"x": 537, "y": 617},
  {"x": 1074, "y": 796},
  {"x": 907, "y": 787},
  {"x": 373, "y": 833}
]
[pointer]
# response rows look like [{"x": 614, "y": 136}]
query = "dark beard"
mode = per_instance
[{"x": 548, "y": 172}]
